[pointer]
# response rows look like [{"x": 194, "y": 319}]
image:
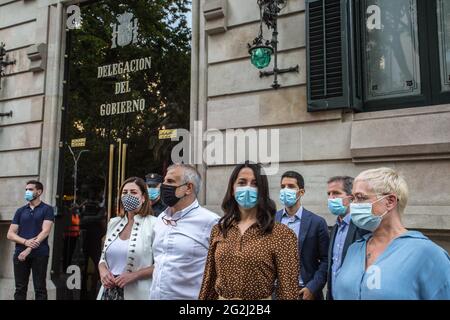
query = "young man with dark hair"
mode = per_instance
[
  {"x": 29, "y": 229},
  {"x": 312, "y": 234}
]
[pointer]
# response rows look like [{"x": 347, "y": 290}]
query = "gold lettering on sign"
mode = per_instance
[
  {"x": 167, "y": 134},
  {"x": 75, "y": 143},
  {"x": 122, "y": 87},
  {"x": 124, "y": 67},
  {"x": 114, "y": 108}
]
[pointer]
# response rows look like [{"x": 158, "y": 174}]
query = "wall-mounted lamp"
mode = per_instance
[
  {"x": 261, "y": 51},
  {"x": 3, "y": 63}
]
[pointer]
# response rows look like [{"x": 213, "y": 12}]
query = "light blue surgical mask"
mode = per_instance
[
  {"x": 153, "y": 193},
  {"x": 363, "y": 217},
  {"x": 29, "y": 195},
  {"x": 246, "y": 197},
  {"x": 336, "y": 207},
  {"x": 288, "y": 197}
]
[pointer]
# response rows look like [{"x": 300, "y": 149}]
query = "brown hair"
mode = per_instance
[
  {"x": 347, "y": 183},
  {"x": 38, "y": 185},
  {"x": 146, "y": 208}
]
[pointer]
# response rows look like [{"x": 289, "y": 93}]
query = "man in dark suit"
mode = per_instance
[
  {"x": 344, "y": 232},
  {"x": 312, "y": 234}
]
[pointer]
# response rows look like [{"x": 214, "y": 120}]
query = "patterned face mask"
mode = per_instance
[{"x": 130, "y": 202}]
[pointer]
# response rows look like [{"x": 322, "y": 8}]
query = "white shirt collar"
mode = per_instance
[{"x": 184, "y": 211}]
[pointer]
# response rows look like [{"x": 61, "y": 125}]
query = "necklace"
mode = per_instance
[{"x": 369, "y": 254}]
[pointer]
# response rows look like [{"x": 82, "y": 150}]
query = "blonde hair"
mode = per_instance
[{"x": 386, "y": 181}]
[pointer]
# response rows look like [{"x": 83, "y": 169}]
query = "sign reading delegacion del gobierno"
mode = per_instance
[
  {"x": 122, "y": 87},
  {"x": 119, "y": 68}
]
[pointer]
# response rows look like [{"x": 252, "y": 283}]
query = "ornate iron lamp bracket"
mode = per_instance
[{"x": 260, "y": 52}]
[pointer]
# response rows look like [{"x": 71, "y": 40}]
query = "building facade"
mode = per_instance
[
  {"x": 390, "y": 110},
  {"x": 31, "y": 89},
  {"x": 324, "y": 143}
]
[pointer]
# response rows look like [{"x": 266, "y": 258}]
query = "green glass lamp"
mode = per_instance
[
  {"x": 261, "y": 50},
  {"x": 260, "y": 56}
]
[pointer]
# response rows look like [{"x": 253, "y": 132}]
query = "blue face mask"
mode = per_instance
[
  {"x": 336, "y": 207},
  {"x": 246, "y": 197},
  {"x": 362, "y": 216},
  {"x": 288, "y": 197},
  {"x": 153, "y": 193},
  {"x": 29, "y": 195}
]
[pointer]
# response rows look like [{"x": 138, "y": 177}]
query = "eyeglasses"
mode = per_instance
[
  {"x": 358, "y": 198},
  {"x": 170, "y": 222},
  {"x": 173, "y": 222}
]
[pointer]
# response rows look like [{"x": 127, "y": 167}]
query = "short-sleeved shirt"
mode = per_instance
[{"x": 30, "y": 223}]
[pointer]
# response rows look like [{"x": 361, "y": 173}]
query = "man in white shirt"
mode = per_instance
[{"x": 182, "y": 235}]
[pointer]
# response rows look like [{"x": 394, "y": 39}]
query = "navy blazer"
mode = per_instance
[
  {"x": 354, "y": 233},
  {"x": 313, "y": 244}
]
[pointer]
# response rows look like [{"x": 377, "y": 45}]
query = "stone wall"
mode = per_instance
[
  {"x": 414, "y": 141},
  {"x": 31, "y": 89}
]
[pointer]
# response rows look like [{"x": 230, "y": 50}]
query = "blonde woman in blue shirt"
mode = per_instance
[{"x": 389, "y": 263}]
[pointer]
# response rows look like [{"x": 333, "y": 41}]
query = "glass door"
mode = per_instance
[{"x": 127, "y": 78}]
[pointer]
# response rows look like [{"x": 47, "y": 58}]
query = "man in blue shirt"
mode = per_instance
[
  {"x": 344, "y": 232},
  {"x": 312, "y": 234},
  {"x": 29, "y": 229}
]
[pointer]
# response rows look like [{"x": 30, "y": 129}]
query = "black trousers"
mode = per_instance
[{"x": 22, "y": 269}]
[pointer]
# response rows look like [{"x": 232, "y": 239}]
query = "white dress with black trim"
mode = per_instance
[{"x": 139, "y": 253}]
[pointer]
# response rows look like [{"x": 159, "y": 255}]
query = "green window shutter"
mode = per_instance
[{"x": 331, "y": 57}]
